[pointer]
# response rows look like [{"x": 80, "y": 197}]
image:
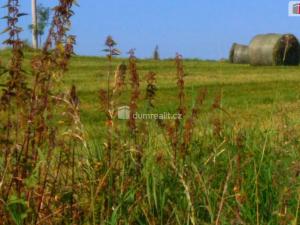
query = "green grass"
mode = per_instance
[
  {"x": 251, "y": 95},
  {"x": 255, "y": 92}
]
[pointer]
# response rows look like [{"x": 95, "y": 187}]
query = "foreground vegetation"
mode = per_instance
[{"x": 66, "y": 159}]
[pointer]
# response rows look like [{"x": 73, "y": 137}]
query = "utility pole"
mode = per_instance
[{"x": 34, "y": 25}]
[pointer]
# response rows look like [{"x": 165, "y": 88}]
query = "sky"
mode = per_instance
[{"x": 202, "y": 29}]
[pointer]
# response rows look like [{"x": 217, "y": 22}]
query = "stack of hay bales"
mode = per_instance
[
  {"x": 274, "y": 49},
  {"x": 239, "y": 54},
  {"x": 269, "y": 50}
]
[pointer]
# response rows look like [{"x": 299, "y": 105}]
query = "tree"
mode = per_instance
[
  {"x": 156, "y": 53},
  {"x": 42, "y": 21}
]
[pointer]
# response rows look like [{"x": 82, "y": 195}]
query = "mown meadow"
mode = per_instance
[{"x": 233, "y": 158}]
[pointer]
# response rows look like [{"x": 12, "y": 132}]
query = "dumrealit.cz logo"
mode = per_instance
[{"x": 294, "y": 8}]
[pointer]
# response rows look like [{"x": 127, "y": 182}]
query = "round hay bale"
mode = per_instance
[
  {"x": 239, "y": 54},
  {"x": 274, "y": 49}
]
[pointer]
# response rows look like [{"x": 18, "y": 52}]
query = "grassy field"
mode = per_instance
[
  {"x": 240, "y": 165},
  {"x": 251, "y": 95}
]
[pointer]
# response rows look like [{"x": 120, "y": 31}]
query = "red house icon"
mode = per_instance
[{"x": 296, "y": 8}]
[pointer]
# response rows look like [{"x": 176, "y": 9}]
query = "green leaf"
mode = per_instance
[
  {"x": 32, "y": 180},
  {"x": 2, "y": 72},
  {"x": 5, "y": 17},
  {"x": 67, "y": 197},
  {"x": 6, "y": 30},
  {"x": 5, "y": 6},
  {"x": 25, "y": 71},
  {"x": 22, "y": 14},
  {"x": 76, "y": 3},
  {"x": 116, "y": 51},
  {"x": 17, "y": 209}
]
